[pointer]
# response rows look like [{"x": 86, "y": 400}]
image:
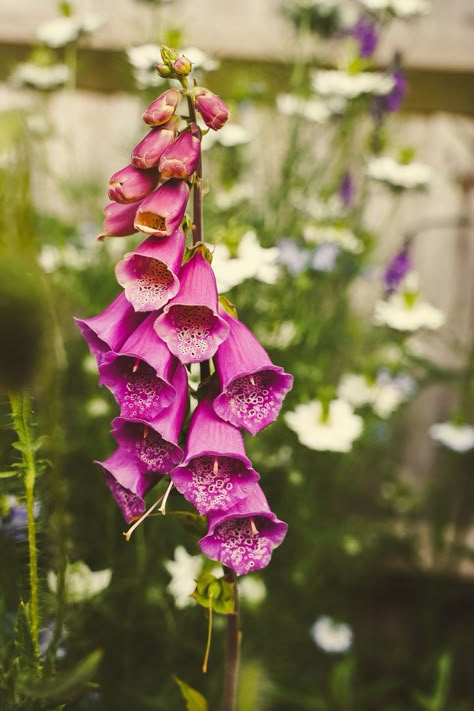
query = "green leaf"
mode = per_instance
[
  {"x": 65, "y": 686},
  {"x": 195, "y": 701},
  {"x": 24, "y": 643},
  {"x": 8, "y": 474}
]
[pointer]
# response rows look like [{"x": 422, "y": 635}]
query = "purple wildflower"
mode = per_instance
[
  {"x": 132, "y": 184},
  {"x": 161, "y": 212},
  {"x": 147, "y": 153},
  {"x": 162, "y": 109},
  {"x": 365, "y": 32},
  {"x": 346, "y": 189},
  {"x": 214, "y": 111},
  {"x": 215, "y": 473},
  {"x": 180, "y": 159},
  {"x": 149, "y": 275},
  {"x": 243, "y": 537},
  {"x": 109, "y": 330},
  {"x": 252, "y": 387},
  {"x": 119, "y": 220},
  {"x": 190, "y": 323},
  {"x": 396, "y": 270},
  {"x": 392, "y": 101}
]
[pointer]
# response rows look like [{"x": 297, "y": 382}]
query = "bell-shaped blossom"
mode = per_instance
[
  {"x": 149, "y": 275},
  {"x": 190, "y": 323},
  {"x": 243, "y": 537},
  {"x": 119, "y": 220},
  {"x": 216, "y": 472},
  {"x": 214, "y": 111},
  {"x": 252, "y": 387},
  {"x": 162, "y": 109},
  {"x": 161, "y": 212},
  {"x": 109, "y": 330},
  {"x": 138, "y": 375},
  {"x": 147, "y": 153},
  {"x": 132, "y": 184},
  {"x": 180, "y": 159}
]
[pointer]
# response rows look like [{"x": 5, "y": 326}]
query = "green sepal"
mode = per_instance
[
  {"x": 228, "y": 306},
  {"x": 216, "y": 593},
  {"x": 406, "y": 155},
  {"x": 65, "y": 686},
  {"x": 199, "y": 247},
  {"x": 168, "y": 54},
  {"x": 195, "y": 701}
]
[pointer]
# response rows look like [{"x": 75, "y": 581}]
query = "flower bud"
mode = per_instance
[
  {"x": 180, "y": 159},
  {"x": 130, "y": 184},
  {"x": 161, "y": 212},
  {"x": 162, "y": 108},
  {"x": 182, "y": 66},
  {"x": 213, "y": 109},
  {"x": 146, "y": 154},
  {"x": 119, "y": 220},
  {"x": 164, "y": 70}
]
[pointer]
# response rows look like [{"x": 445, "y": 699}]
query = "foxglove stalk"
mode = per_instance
[
  {"x": 139, "y": 373},
  {"x": 216, "y": 472},
  {"x": 253, "y": 388},
  {"x": 190, "y": 323},
  {"x": 180, "y": 159},
  {"x": 149, "y": 275},
  {"x": 109, "y": 330},
  {"x": 161, "y": 212},
  {"x": 147, "y": 153},
  {"x": 162, "y": 109},
  {"x": 131, "y": 184},
  {"x": 243, "y": 537},
  {"x": 119, "y": 220}
]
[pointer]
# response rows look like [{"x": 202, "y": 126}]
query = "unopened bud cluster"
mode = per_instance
[{"x": 167, "y": 317}]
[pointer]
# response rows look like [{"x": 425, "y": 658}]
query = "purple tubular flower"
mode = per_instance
[
  {"x": 138, "y": 375},
  {"x": 149, "y": 274},
  {"x": 181, "y": 158},
  {"x": 119, "y": 220},
  {"x": 162, "y": 109},
  {"x": 365, "y": 32},
  {"x": 346, "y": 189},
  {"x": 392, "y": 101},
  {"x": 215, "y": 473},
  {"x": 161, "y": 212},
  {"x": 214, "y": 111},
  {"x": 252, "y": 387},
  {"x": 190, "y": 323},
  {"x": 131, "y": 184},
  {"x": 109, "y": 330},
  {"x": 243, "y": 538},
  {"x": 396, "y": 270},
  {"x": 147, "y": 153}
]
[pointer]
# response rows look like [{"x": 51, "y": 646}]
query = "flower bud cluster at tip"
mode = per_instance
[{"x": 168, "y": 317}]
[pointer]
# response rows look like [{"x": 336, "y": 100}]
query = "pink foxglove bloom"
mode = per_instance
[
  {"x": 149, "y": 275},
  {"x": 139, "y": 373},
  {"x": 131, "y": 184},
  {"x": 252, "y": 387},
  {"x": 162, "y": 109},
  {"x": 190, "y": 323},
  {"x": 109, "y": 330},
  {"x": 215, "y": 473},
  {"x": 161, "y": 212},
  {"x": 213, "y": 109},
  {"x": 181, "y": 158},
  {"x": 119, "y": 220},
  {"x": 243, "y": 537},
  {"x": 147, "y": 153}
]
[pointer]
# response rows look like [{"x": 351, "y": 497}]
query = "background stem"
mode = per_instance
[{"x": 232, "y": 656}]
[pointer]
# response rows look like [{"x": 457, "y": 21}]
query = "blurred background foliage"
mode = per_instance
[{"x": 384, "y": 559}]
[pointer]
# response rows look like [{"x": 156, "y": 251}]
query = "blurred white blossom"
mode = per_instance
[
  {"x": 184, "y": 571},
  {"x": 252, "y": 590},
  {"x": 230, "y": 135},
  {"x": 334, "y": 82},
  {"x": 384, "y": 395},
  {"x": 41, "y": 77},
  {"x": 310, "y": 109},
  {"x": 331, "y": 636},
  {"x": 251, "y": 261},
  {"x": 345, "y": 239},
  {"x": 334, "y": 432},
  {"x": 81, "y": 582},
  {"x": 407, "y": 314},
  {"x": 457, "y": 437},
  {"x": 400, "y": 175},
  {"x": 199, "y": 59},
  {"x": 400, "y": 8}
]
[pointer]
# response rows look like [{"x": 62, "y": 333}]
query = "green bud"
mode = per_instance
[
  {"x": 164, "y": 70},
  {"x": 168, "y": 55},
  {"x": 182, "y": 66}
]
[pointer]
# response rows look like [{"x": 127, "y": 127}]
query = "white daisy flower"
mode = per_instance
[
  {"x": 345, "y": 239},
  {"x": 310, "y": 109},
  {"x": 356, "y": 390},
  {"x": 40, "y": 77},
  {"x": 81, "y": 582},
  {"x": 459, "y": 438},
  {"x": 405, "y": 314},
  {"x": 400, "y": 175},
  {"x": 400, "y": 8},
  {"x": 251, "y": 262},
  {"x": 335, "y": 433},
  {"x": 59, "y": 31},
  {"x": 144, "y": 56},
  {"x": 184, "y": 571},
  {"x": 199, "y": 59},
  {"x": 334, "y": 82},
  {"x": 331, "y": 636}
]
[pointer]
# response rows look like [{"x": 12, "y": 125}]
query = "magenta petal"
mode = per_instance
[
  {"x": 110, "y": 329},
  {"x": 216, "y": 473},
  {"x": 243, "y": 538},
  {"x": 147, "y": 153},
  {"x": 119, "y": 220},
  {"x": 138, "y": 375},
  {"x": 162, "y": 211},
  {"x": 149, "y": 274},
  {"x": 180, "y": 159},
  {"x": 190, "y": 323},
  {"x": 131, "y": 184},
  {"x": 253, "y": 388}
]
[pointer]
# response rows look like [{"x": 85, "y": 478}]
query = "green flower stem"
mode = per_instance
[
  {"x": 21, "y": 410},
  {"x": 232, "y": 657}
]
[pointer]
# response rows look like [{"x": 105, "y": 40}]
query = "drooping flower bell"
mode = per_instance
[
  {"x": 190, "y": 323},
  {"x": 109, "y": 330},
  {"x": 147, "y": 152},
  {"x": 119, "y": 220},
  {"x": 180, "y": 158},
  {"x": 149, "y": 275},
  {"x": 214, "y": 111},
  {"x": 253, "y": 388},
  {"x": 216, "y": 472},
  {"x": 243, "y": 537},
  {"x": 162, "y": 109},
  {"x": 132, "y": 184},
  {"x": 139, "y": 373},
  {"x": 161, "y": 212}
]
